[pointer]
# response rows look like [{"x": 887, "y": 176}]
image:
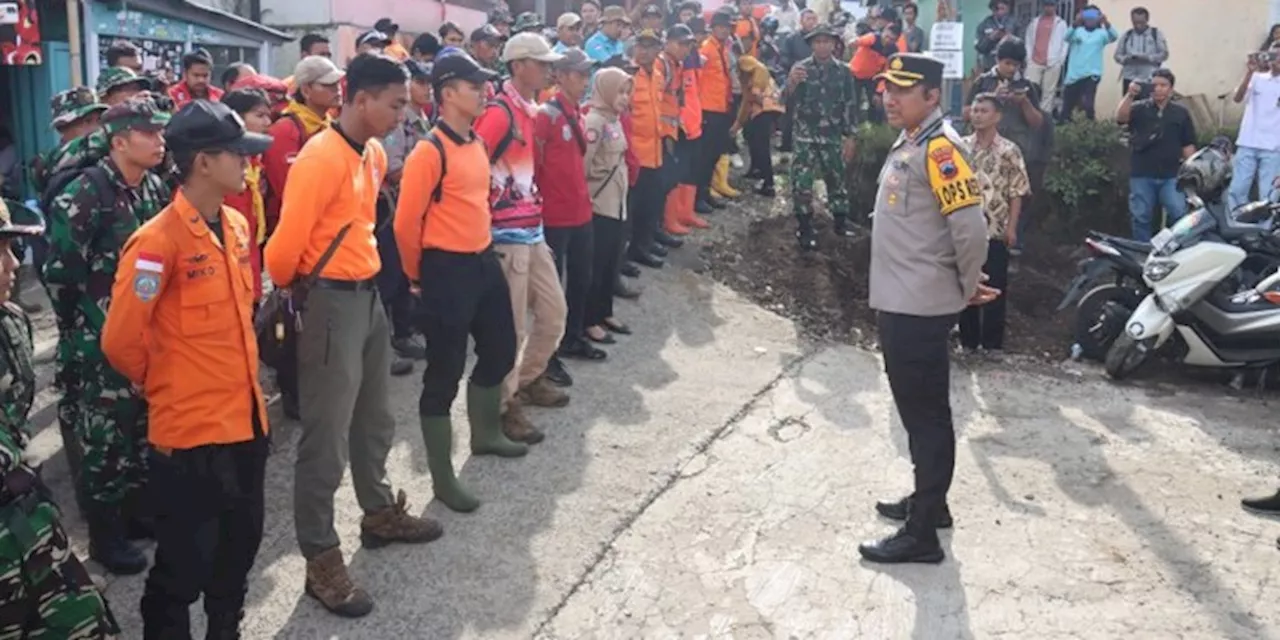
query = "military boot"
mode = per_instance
[
  {"x": 517, "y": 426},
  {"x": 329, "y": 582},
  {"x": 107, "y": 543},
  {"x": 393, "y": 523},
  {"x": 806, "y": 236},
  {"x": 484, "y": 410}
]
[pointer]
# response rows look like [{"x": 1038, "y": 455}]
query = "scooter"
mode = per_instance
[
  {"x": 1204, "y": 293},
  {"x": 1106, "y": 290}
]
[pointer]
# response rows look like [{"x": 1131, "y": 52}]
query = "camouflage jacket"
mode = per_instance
[
  {"x": 85, "y": 242},
  {"x": 65, "y": 156},
  {"x": 826, "y": 107},
  {"x": 17, "y": 387}
]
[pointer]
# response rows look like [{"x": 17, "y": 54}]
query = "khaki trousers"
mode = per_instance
[{"x": 535, "y": 288}]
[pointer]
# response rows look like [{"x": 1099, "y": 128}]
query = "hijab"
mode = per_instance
[{"x": 605, "y": 87}]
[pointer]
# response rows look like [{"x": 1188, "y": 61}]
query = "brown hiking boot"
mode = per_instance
[
  {"x": 394, "y": 524},
  {"x": 328, "y": 582},
  {"x": 516, "y": 425},
  {"x": 542, "y": 393}
]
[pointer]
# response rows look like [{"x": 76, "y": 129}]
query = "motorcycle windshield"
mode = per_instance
[{"x": 1189, "y": 230}]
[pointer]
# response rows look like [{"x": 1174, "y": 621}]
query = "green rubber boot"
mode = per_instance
[
  {"x": 437, "y": 435},
  {"x": 484, "y": 410}
]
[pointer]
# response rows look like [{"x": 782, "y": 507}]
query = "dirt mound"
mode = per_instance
[{"x": 825, "y": 292}]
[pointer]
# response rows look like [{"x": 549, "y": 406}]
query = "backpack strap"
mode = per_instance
[
  {"x": 97, "y": 176},
  {"x": 573, "y": 125},
  {"x": 507, "y": 138},
  {"x": 434, "y": 139}
]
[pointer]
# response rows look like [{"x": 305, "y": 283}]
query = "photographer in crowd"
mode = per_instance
[
  {"x": 1141, "y": 51},
  {"x": 1258, "y": 145},
  {"x": 1162, "y": 135}
]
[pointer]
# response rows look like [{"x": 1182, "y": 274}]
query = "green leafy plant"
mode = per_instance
[{"x": 1086, "y": 183}]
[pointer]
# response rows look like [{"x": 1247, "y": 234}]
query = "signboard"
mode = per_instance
[
  {"x": 953, "y": 62},
  {"x": 161, "y": 57},
  {"x": 947, "y": 36},
  {"x": 19, "y": 33}
]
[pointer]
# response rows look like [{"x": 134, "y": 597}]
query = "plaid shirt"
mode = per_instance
[{"x": 1003, "y": 177}]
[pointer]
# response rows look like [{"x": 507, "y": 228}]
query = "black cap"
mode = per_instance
[
  {"x": 459, "y": 66},
  {"x": 418, "y": 70},
  {"x": 680, "y": 33},
  {"x": 651, "y": 10},
  {"x": 385, "y": 25},
  {"x": 911, "y": 69},
  {"x": 823, "y": 30},
  {"x": 202, "y": 125},
  {"x": 487, "y": 32}
]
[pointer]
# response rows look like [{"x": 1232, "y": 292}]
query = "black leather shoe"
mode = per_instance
[
  {"x": 666, "y": 240},
  {"x": 844, "y": 228},
  {"x": 409, "y": 348},
  {"x": 716, "y": 203},
  {"x": 557, "y": 374},
  {"x": 580, "y": 349},
  {"x": 702, "y": 207},
  {"x": 621, "y": 290},
  {"x": 647, "y": 260},
  {"x": 658, "y": 251},
  {"x": 900, "y": 509},
  {"x": 629, "y": 270},
  {"x": 902, "y": 547},
  {"x": 401, "y": 367},
  {"x": 1268, "y": 506}
]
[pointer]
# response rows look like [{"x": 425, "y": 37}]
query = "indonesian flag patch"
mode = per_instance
[{"x": 150, "y": 262}]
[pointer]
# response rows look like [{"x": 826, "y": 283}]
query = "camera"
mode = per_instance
[{"x": 1263, "y": 57}]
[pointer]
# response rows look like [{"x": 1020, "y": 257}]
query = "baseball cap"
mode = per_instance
[
  {"x": 487, "y": 32},
  {"x": 911, "y": 69},
  {"x": 203, "y": 125},
  {"x": 385, "y": 25},
  {"x": 614, "y": 13},
  {"x": 418, "y": 70},
  {"x": 459, "y": 66},
  {"x": 680, "y": 33},
  {"x": 529, "y": 46},
  {"x": 568, "y": 20},
  {"x": 137, "y": 113},
  {"x": 649, "y": 35},
  {"x": 74, "y": 104},
  {"x": 373, "y": 37},
  {"x": 316, "y": 70},
  {"x": 17, "y": 219},
  {"x": 574, "y": 59},
  {"x": 113, "y": 78}
]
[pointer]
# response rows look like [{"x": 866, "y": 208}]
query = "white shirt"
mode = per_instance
[{"x": 1260, "y": 127}]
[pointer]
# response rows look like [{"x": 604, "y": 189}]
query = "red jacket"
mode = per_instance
[
  {"x": 181, "y": 95},
  {"x": 559, "y": 170},
  {"x": 243, "y": 202},
  {"x": 288, "y": 136}
]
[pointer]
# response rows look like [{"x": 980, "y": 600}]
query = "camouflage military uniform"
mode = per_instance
[
  {"x": 825, "y": 113},
  {"x": 85, "y": 247},
  {"x": 46, "y": 591}
]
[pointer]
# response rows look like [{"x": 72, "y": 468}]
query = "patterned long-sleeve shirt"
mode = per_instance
[{"x": 825, "y": 105}]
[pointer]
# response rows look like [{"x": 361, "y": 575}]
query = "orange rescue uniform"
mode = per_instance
[
  {"x": 647, "y": 129},
  {"x": 671, "y": 97},
  {"x": 330, "y": 184},
  {"x": 715, "y": 83},
  {"x": 460, "y": 222},
  {"x": 180, "y": 326}
]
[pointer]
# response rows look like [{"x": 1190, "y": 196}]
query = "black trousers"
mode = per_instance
[
  {"x": 648, "y": 200},
  {"x": 788, "y": 125},
  {"x": 463, "y": 294},
  {"x": 610, "y": 233},
  {"x": 918, "y": 364},
  {"x": 1079, "y": 95},
  {"x": 983, "y": 325},
  {"x": 759, "y": 135},
  {"x": 574, "y": 249},
  {"x": 688, "y": 155},
  {"x": 393, "y": 285},
  {"x": 209, "y": 506},
  {"x": 715, "y": 143}
]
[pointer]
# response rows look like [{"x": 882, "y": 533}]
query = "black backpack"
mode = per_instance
[
  {"x": 507, "y": 138},
  {"x": 96, "y": 175}
]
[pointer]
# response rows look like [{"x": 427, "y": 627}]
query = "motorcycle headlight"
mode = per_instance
[{"x": 1157, "y": 270}]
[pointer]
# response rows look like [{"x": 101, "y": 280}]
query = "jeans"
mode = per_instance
[
  {"x": 1145, "y": 194},
  {"x": 1251, "y": 162}
]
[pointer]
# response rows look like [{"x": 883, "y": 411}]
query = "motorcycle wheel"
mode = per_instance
[
  {"x": 1127, "y": 355},
  {"x": 1100, "y": 318}
]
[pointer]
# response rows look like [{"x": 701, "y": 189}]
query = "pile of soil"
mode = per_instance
[{"x": 825, "y": 292}]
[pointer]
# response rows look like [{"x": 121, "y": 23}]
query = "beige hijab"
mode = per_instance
[{"x": 605, "y": 87}]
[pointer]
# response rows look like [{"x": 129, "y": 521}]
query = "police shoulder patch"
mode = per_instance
[{"x": 953, "y": 182}]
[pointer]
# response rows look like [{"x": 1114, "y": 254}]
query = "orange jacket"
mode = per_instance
[
  {"x": 646, "y": 116},
  {"x": 670, "y": 99},
  {"x": 691, "y": 112},
  {"x": 715, "y": 83},
  {"x": 180, "y": 326},
  {"x": 748, "y": 27},
  {"x": 866, "y": 61}
]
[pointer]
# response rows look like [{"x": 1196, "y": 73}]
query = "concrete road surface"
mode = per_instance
[{"x": 713, "y": 478}]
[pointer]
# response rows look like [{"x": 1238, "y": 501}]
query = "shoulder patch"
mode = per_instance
[
  {"x": 146, "y": 284},
  {"x": 953, "y": 182}
]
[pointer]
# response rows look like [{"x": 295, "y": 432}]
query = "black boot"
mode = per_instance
[
  {"x": 667, "y": 240},
  {"x": 844, "y": 228},
  {"x": 805, "y": 235},
  {"x": 767, "y": 190},
  {"x": 107, "y": 543},
  {"x": 224, "y": 626},
  {"x": 657, "y": 250}
]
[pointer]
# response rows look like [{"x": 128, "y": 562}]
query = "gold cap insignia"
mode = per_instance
[{"x": 896, "y": 65}]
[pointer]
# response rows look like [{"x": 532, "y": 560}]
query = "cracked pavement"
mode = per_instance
[{"x": 714, "y": 477}]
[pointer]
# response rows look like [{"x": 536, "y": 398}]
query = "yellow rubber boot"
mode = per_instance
[{"x": 720, "y": 180}]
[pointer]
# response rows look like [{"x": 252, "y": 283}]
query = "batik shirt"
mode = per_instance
[{"x": 1003, "y": 177}]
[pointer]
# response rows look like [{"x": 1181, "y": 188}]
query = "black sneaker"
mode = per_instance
[
  {"x": 658, "y": 250},
  {"x": 409, "y": 348},
  {"x": 629, "y": 269},
  {"x": 667, "y": 240},
  {"x": 1268, "y": 506},
  {"x": 900, "y": 509},
  {"x": 557, "y": 374},
  {"x": 648, "y": 260}
]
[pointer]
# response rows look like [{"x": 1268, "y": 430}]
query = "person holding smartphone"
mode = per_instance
[{"x": 1258, "y": 146}]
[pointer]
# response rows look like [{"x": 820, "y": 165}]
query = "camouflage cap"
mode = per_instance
[
  {"x": 74, "y": 104},
  {"x": 138, "y": 113},
  {"x": 113, "y": 78},
  {"x": 17, "y": 219},
  {"x": 527, "y": 21}
]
